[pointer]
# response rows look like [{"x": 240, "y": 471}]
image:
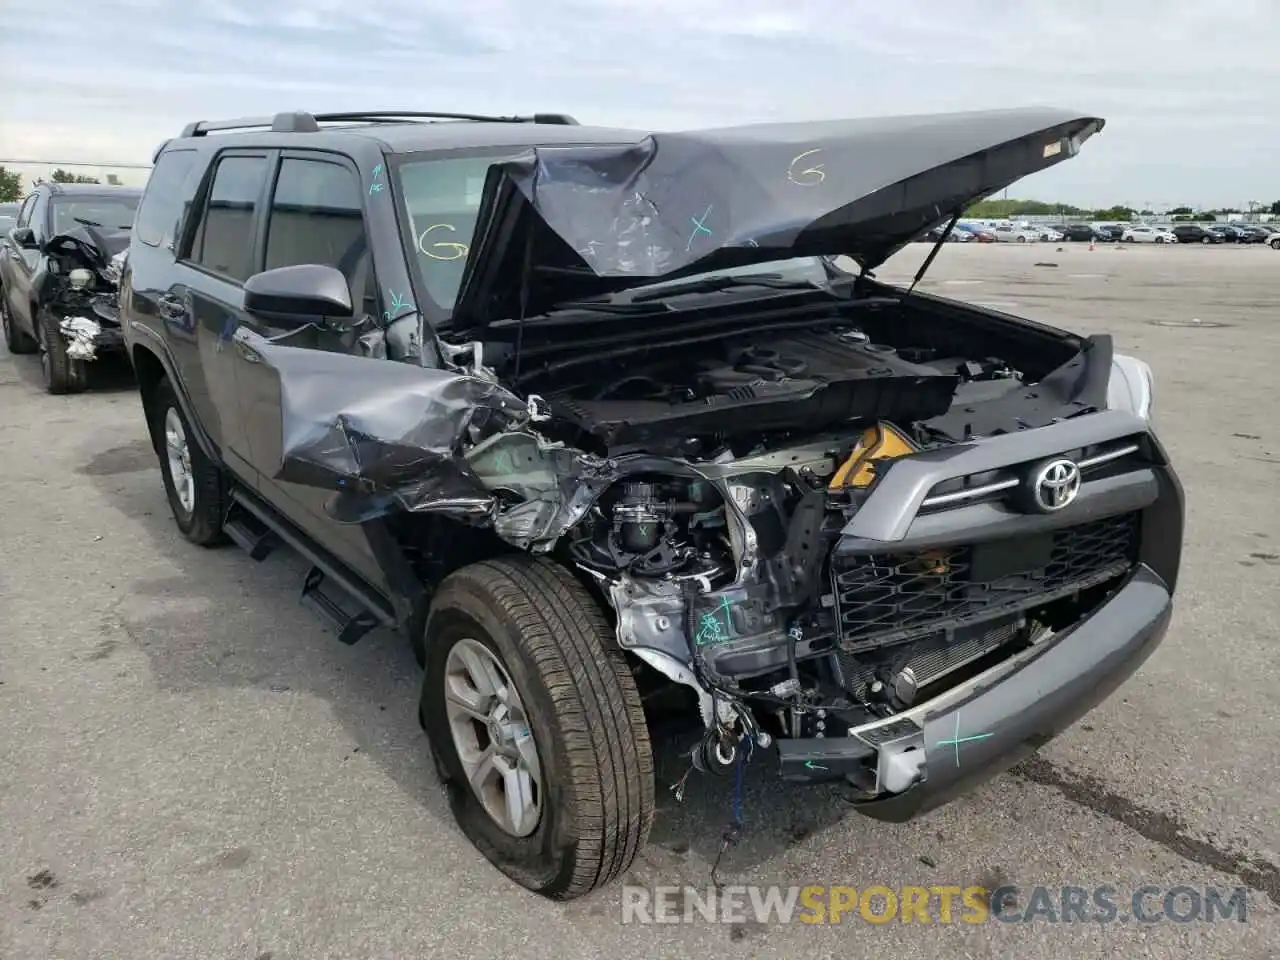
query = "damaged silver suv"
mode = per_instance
[{"x": 599, "y": 421}]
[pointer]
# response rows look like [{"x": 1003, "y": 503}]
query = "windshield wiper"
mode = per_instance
[
  {"x": 710, "y": 284},
  {"x": 87, "y": 223}
]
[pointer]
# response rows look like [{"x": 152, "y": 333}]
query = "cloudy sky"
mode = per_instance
[{"x": 1189, "y": 88}]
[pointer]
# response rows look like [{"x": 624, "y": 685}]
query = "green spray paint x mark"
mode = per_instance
[{"x": 956, "y": 740}]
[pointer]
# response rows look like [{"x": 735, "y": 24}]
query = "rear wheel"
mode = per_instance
[
  {"x": 196, "y": 486},
  {"x": 536, "y": 726},
  {"x": 62, "y": 373},
  {"x": 1204, "y": 239},
  {"x": 1275, "y": 244},
  {"x": 16, "y": 340}
]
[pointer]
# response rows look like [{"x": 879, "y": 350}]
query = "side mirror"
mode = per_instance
[
  {"x": 25, "y": 238},
  {"x": 306, "y": 290}
]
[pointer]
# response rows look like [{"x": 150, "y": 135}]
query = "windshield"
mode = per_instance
[
  {"x": 442, "y": 200},
  {"x": 111, "y": 213}
]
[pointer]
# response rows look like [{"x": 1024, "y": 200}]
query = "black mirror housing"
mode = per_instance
[
  {"x": 25, "y": 238},
  {"x": 305, "y": 290}
]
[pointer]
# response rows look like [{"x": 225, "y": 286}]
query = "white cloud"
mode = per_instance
[{"x": 1187, "y": 87}]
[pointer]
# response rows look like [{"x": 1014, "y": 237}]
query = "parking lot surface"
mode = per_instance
[{"x": 192, "y": 767}]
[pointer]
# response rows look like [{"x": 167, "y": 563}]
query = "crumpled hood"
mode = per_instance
[
  {"x": 95, "y": 245},
  {"x": 566, "y": 222}
]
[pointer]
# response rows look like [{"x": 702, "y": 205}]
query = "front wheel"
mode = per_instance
[
  {"x": 1159, "y": 239},
  {"x": 195, "y": 486},
  {"x": 536, "y": 726},
  {"x": 62, "y": 373},
  {"x": 1204, "y": 239},
  {"x": 1022, "y": 239},
  {"x": 1275, "y": 244}
]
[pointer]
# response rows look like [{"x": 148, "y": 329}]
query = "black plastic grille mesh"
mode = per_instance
[{"x": 886, "y": 598}]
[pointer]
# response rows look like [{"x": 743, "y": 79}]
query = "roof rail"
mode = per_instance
[
  {"x": 299, "y": 121},
  {"x": 391, "y": 116}
]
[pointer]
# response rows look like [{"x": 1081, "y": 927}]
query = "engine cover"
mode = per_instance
[{"x": 813, "y": 380}]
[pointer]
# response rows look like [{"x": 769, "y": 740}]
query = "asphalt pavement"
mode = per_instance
[{"x": 192, "y": 767}]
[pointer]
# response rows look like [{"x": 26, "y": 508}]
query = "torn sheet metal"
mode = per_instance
[
  {"x": 566, "y": 222},
  {"x": 553, "y": 486},
  {"x": 384, "y": 436},
  {"x": 82, "y": 337}
]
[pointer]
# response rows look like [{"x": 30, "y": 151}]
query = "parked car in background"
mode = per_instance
[
  {"x": 1011, "y": 233},
  {"x": 1077, "y": 232},
  {"x": 1145, "y": 233},
  {"x": 8, "y": 217},
  {"x": 1109, "y": 232},
  {"x": 1273, "y": 240},
  {"x": 957, "y": 235},
  {"x": 1195, "y": 233},
  {"x": 1251, "y": 232},
  {"x": 59, "y": 275},
  {"x": 979, "y": 232},
  {"x": 1226, "y": 231}
]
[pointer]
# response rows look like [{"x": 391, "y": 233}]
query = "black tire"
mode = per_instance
[
  {"x": 1205, "y": 240},
  {"x": 1275, "y": 244},
  {"x": 62, "y": 374},
  {"x": 584, "y": 711},
  {"x": 1159, "y": 239},
  {"x": 202, "y": 524},
  {"x": 18, "y": 341}
]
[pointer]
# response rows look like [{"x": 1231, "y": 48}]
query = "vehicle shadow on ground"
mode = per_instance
[
  {"x": 264, "y": 639},
  {"x": 107, "y": 375}
]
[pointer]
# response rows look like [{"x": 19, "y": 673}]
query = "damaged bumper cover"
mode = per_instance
[
  {"x": 88, "y": 337},
  {"x": 923, "y": 758}
]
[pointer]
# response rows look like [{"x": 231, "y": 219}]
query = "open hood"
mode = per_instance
[
  {"x": 95, "y": 245},
  {"x": 564, "y": 223}
]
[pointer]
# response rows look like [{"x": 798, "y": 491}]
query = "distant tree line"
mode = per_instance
[
  {"x": 11, "y": 182},
  {"x": 1001, "y": 209}
]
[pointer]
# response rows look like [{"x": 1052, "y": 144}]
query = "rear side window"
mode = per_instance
[
  {"x": 163, "y": 202},
  {"x": 316, "y": 217},
  {"x": 224, "y": 239}
]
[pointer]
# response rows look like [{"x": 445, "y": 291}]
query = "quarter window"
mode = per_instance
[
  {"x": 162, "y": 202},
  {"x": 224, "y": 240}
]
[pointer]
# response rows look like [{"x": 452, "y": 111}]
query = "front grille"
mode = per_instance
[{"x": 893, "y": 597}]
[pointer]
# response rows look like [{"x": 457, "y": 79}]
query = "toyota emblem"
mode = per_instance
[{"x": 1056, "y": 485}]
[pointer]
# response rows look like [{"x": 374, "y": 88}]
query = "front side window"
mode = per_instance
[
  {"x": 224, "y": 239},
  {"x": 316, "y": 217},
  {"x": 24, "y": 215}
]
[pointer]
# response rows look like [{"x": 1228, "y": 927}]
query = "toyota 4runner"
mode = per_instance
[{"x": 598, "y": 416}]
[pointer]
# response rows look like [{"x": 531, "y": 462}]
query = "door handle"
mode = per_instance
[
  {"x": 172, "y": 307},
  {"x": 245, "y": 349}
]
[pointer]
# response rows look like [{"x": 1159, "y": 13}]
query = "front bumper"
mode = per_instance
[
  {"x": 926, "y": 756},
  {"x": 92, "y": 333}
]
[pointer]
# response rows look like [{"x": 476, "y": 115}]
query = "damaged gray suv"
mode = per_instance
[{"x": 600, "y": 422}]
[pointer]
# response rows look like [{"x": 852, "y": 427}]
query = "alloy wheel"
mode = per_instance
[
  {"x": 492, "y": 737},
  {"x": 178, "y": 453}
]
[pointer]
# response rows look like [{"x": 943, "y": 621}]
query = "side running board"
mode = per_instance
[{"x": 348, "y": 609}]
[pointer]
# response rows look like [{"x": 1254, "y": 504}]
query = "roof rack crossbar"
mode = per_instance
[{"x": 299, "y": 121}]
